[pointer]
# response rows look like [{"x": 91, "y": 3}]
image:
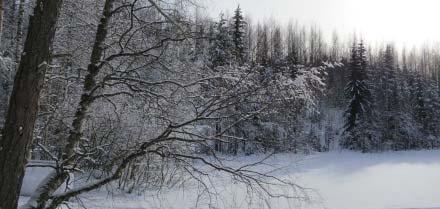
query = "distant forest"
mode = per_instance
[{"x": 374, "y": 97}]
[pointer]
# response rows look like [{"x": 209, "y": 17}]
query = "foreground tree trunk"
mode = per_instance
[
  {"x": 8, "y": 27},
  {"x": 1, "y": 19},
  {"x": 20, "y": 119},
  {"x": 45, "y": 192},
  {"x": 19, "y": 32}
]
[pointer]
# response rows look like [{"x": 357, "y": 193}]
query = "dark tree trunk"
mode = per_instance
[
  {"x": 8, "y": 27},
  {"x": 19, "y": 31},
  {"x": 1, "y": 19},
  {"x": 23, "y": 107},
  {"x": 90, "y": 82},
  {"x": 83, "y": 107}
]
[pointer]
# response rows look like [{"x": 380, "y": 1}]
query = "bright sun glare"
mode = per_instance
[
  {"x": 409, "y": 22},
  {"x": 401, "y": 21}
]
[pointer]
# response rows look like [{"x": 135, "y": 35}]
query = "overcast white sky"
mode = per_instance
[{"x": 400, "y": 21}]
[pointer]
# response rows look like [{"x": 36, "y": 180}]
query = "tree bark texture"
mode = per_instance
[{"x": 23, "y": 106}]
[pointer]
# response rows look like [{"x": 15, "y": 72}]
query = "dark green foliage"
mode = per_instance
[
  {"x": 359, "y": 106},
  {"x": 221, "y": 45},
  {"x": 262, "y": 48},
  {"x": 238, "y": 36}
]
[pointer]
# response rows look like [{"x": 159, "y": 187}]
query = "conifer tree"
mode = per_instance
[
  {"x": 358, "y": 93},
  {"x": 221, "y": 46},
  {"x": 276, "y": 58},
  {"x": 238, "y": 36},
  {"x": 420, "y": 106},
  {"x": 391, "y": 115},
  {"x": 262, "y": 56},
  {"x": 390, "y": 80},
  {"x": 292, "y": 46},
  {"x": 426, "y": 105}
]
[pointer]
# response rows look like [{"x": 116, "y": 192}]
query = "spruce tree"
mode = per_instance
[
  {"x": 390, "y": 80},
  {"x": 221, "y": 45},
  {"x": 426, "y": 105},
  {"x": 420, "y": 106},
  {"x": 391, "y": 116},
  {"x": 292, "y": 47},
  {"x": 276, "y": 58},
  {"x": 292, "y": 57},
  {"x": 238, "y": 36},
  {"x": 358, "y": 93},
  {"x": 262, "y": 56}
]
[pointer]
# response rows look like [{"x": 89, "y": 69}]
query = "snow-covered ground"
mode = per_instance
[
  {"x": 342, "y": 180},
  {"x": 374, "y": 181}
]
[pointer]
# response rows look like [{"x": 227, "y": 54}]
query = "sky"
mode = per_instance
[{"x": 403, "y": 22}]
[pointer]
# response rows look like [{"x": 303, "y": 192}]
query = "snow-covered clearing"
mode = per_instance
[{"x": 344, "y": 180}]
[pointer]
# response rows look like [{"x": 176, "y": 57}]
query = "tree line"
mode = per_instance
[{"x": 388, "y": 99}]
